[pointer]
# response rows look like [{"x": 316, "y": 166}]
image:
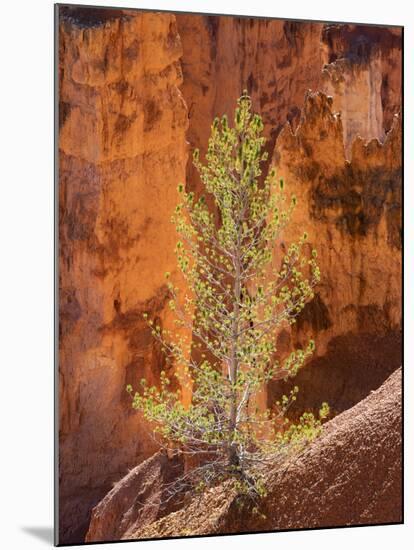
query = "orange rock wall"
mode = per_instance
[
  {"x": 352, "y": 213},
  {"x": 134, "y": 89},
  {"x": 122, "y": 151}
]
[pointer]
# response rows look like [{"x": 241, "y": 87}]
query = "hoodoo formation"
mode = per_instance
[{"x": 137, "y": 92}]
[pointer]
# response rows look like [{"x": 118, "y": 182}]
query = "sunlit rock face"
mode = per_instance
[
  {"x": 137, "y": 91},
  {"x": 122, "y": 150},
  {"x": 351, "y": 211}
]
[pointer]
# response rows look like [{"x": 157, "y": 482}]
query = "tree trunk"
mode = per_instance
[{"x": 232, "y": 449}]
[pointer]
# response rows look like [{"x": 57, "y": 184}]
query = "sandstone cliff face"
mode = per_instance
[
  {"x": 350, "y": 475},
  {"x": 362, "y": 73},
  {"x": 353, "y": 213},
  {"x": 276, "y": 61},
  {"x": 122, "y": 150},
  {"x": 134, "y": 89}
]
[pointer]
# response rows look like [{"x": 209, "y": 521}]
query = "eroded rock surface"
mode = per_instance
[
  {"x": 137, "y": 500},
  {"x": 122, "y": 150},
  {"x": 275, "y": 60},
  {"x": 362, "y": 72},
  {"x": 350, "y": 475},
  {"x": 351, "y": 211}
]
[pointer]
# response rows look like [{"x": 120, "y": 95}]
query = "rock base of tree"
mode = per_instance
[{"x": 350, "y": 475}]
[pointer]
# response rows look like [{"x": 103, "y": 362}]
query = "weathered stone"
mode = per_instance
[
  {"x": 137, "y": 500},
  {"x": 351, "y": 211},
  {"x": 122, "y": 152}
]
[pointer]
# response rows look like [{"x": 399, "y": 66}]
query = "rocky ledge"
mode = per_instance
[{"x": 350, "y": 475}]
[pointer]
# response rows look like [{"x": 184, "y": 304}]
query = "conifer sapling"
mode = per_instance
[{"x": 241, "y": 292}]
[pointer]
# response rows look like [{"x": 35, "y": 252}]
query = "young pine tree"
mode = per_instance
[{"x": 241, "y": 293}]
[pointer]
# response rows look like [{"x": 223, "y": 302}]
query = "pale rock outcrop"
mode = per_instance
[{"x": 362, "y": 73}]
